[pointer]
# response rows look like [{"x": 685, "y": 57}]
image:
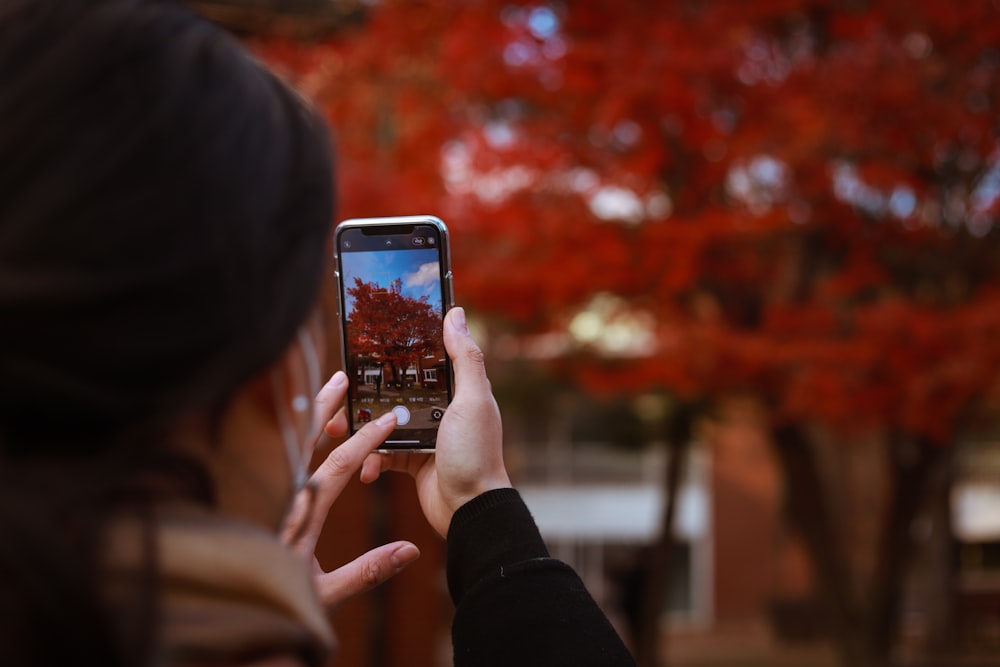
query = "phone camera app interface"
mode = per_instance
[{"x": 393, "y": 315}]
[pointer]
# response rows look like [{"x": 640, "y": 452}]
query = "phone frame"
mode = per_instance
[{"x": 370, "y": 225}]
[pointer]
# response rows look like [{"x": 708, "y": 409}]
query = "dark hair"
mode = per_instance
[{"x": 164, "y": 207}]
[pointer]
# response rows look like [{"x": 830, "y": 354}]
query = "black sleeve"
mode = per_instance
[{"x": 514, "y": 604}]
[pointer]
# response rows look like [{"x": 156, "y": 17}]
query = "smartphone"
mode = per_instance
[{"x": 394, "y": 288}]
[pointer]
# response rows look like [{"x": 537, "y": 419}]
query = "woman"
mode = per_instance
[{"x": 165, "y": 204}]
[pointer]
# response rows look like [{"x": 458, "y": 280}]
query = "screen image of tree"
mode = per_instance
[{"x": 393, "y": 330}]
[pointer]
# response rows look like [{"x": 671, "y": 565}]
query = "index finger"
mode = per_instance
[{"x": 336, "y": 470}]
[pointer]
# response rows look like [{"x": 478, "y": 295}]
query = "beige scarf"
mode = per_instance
[{"x": 227, "y": 591}]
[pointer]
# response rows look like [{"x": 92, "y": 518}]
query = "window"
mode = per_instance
[{"x": 430, "y": 375}]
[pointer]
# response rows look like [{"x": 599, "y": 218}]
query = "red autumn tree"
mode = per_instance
[
  {"x": 794, "y": 198},
  {"x": 390, "y": 327}
]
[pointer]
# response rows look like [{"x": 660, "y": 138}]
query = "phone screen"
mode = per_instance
[{"x": 394, "y": 291}]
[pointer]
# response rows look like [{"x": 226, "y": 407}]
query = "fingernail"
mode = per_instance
[
  {"x": 403, "y": 556},
  {"x": 339, "y": 379},
  {"x": 387, "y": 418},
  {"x": 458, "y": 320}
]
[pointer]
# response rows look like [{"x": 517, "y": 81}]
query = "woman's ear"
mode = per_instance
[
  {"x": 290, "y": 383},
  {"x": 272, "y": 384},
  {"x": 252, "y": 457}
]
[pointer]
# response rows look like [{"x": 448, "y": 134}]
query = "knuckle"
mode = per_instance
[
  {"x": 371, "y": 573},
  {"x": 339, "y": 463},
  {"x": 475, "y": 355}
]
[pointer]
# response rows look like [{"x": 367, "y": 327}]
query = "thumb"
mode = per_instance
[{"x": 466, "y": 356}]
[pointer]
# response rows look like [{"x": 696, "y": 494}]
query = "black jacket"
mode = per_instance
[{"x": 515, "y": 605}]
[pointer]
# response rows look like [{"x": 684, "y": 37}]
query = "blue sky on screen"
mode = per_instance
[{"x": 418, "y": 270}]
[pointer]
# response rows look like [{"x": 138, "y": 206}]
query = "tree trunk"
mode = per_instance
[
  {"x": 911, "y": 463},
  {"x": 649, "y": 644},
  {"x": 809, "y": 515},
  {"x": 941, "y": 594},
  {"x": 863, "y": 630}
]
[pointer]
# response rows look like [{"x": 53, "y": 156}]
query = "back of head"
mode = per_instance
[
  {"x": 164, "y": 203},
  {"x": 163, "y": 209}
]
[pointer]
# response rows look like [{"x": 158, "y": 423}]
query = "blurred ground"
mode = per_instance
[
  {"x": 746, "y": 644},
  {"x": 753, "y": 645}
]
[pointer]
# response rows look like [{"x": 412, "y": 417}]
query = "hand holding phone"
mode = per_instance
[
  {"x": 469, "y": 457},
  {"x": 394, "y": 288}
]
